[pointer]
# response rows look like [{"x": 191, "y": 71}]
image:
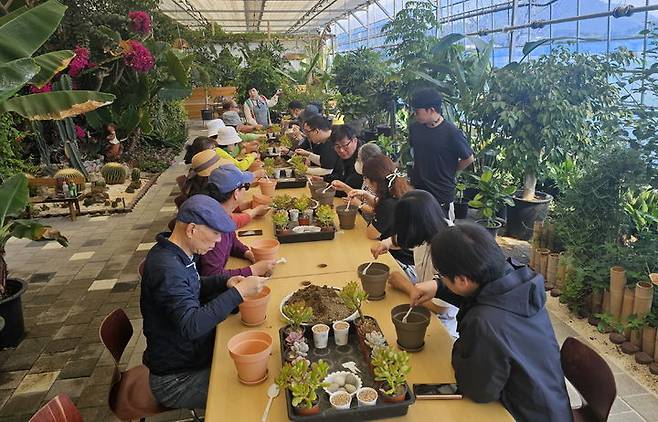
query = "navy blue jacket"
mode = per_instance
[
  {"x": 507, "y": 349},
  {"x": 180, "y": 310}
]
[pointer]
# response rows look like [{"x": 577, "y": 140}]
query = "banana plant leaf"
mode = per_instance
[
  {"x": 13, "y": 197},
  {"x": 51, "y": 64},
  {"x": 6, "y": 18},
  {"x": 176, "y": 68},
  {"x": 26, "y": 32},
  {"x": 56, "y": 105},
  {"x": 34, "y": 230},
  {"x": 447, "y": 41},
  {"x": 14, "y": 75}
]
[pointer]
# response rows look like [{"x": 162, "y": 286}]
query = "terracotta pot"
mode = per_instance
[
  {"x": 304, "y": 221},
  {"x": 265, "y": 249},
  {"x": 326, "y": 197},
  {"x": 267, "y": 187},
  {"x": 411, "y": 334},
  {"x": 259, "y": 199},
  {"x": 250, "y": 351},
  {"x": 374, "y": 282},
  {"x": 253, "y": 310},
  {"x": 347, "y": 218},
  {"x": 307, "y": 411},
  {"x": 396, "y": 398},
  {"x": 654, "y": 278},
  {"x": 617, "y": 283},
  {"x": 649, "y": 340}
]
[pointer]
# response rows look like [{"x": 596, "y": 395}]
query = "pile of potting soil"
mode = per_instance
[{"x": 327, "y": 306}]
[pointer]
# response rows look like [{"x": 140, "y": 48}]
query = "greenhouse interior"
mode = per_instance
[{"x": 328, "y": 210}]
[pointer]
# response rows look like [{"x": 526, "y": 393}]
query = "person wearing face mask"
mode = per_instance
[
  {"x": 257, "y": 108},
  {"x": 181, "y": 310}
]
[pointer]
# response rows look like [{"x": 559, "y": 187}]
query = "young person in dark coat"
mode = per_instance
[
  {"x": 346, "y": 145},
  {"x": 506, "y": 348},
  {"x": 181, "y": 310}
]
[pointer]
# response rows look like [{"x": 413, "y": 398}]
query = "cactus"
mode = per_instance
[
  {"x": 114, "y": 173},
  {"x": 135, "y": 175},
  {"x": 72, "y": 175}
]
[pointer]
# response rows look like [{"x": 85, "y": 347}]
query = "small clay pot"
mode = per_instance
[
  {"x": 267, "y": 187},
  {"x": 397, "y": 398},
  {"x": 347, "y": 218},
  {"x": 307, "y": 411},
  {"x": 265, "y": 249},
  {"x": 250, "y": 351},
  {"x": 374, "y": 282},
  {"x": 253, "y": 310},
  {"x": 304, "y": 221},
  {"x": 411, "y": 334}
]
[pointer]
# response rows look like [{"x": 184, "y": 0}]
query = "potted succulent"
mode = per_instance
[
  {"x": 353, "y": 297},
  {"x": 491, "y": 198},
  {"x": 303, "y": 380},
  {"x": 296, "y": 346},
  {"x": 391, "y": 367},
  {"x": 299, "y": 165},
  {"x": 282, "y": 202},
  {"x": 285, "y": 141},
  {"x": 303, "y": 204},
  {"x": 297, "y": 313},
  {"x": 13, "y": 200},
  {"x": 324, "y": 216},
  {"x": 280, "y": 220}
]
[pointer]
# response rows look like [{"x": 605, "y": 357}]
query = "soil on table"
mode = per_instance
[
  {"x": 367, "y": 325},
  {"x": 324, "y": 300}
]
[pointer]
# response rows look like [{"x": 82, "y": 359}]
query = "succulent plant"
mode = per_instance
[
  {"x": 375, "y": 339},
  {"x": 294, "y": 336},
  {"x": 71, "y": 175},
  {"x": 280, "y": 219},
  {"x": 392, "y": 367},
  {"x": 302, "y": 203},
  {"x": 325, "y": 215},
  {"x": 285, "y": 141},
  {"x": 299, "y": 164},
  {"x": 303, "y": 379},
  {"x": 114, "y": 173},
  {"x": 353, "y": 296},
  {"x": 298, "y": 313},
  {"x": 282, "y": 202},
  {"x": 299, "y": 348},
  {"x": 135, "y": 175}
]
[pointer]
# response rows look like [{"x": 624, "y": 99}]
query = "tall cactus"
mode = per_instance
[
  {"x": 44, "y": 149},
  {"x": 66, "y": 132}
]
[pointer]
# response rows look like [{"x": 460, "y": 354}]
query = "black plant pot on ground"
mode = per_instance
[
  {"x": 491, "y": 229},
  {"x": 11, "y": 310},
  {"x": 521, "y": 217},
  {"x": 206, "y": 114}
]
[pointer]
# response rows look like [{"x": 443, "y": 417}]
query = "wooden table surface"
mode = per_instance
[{"x": 229, "y": 400}]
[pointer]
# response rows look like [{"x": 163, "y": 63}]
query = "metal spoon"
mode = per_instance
[
  {"x": 404, "y": 318},
  {"x": 272, "y": 392}
]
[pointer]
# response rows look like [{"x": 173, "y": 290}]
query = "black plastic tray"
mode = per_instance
[
  {"x": 289, "y": 184},
  {"x": 305, "y": 237},
  {"x": 335, "y": 356}
]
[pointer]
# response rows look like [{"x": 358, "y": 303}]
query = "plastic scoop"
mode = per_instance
[
  {"x": 404, "y": 318},
  {"x": 272, "y": 393}
]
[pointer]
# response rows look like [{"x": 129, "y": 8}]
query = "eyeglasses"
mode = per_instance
[
  {"x": 245, "y": 186},
  {"x": 343, "y": 147}
]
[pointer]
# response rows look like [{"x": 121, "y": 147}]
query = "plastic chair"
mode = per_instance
[
  {"x": 59, "y": 409},
  {"x": 130, "y": 396},
  {"x": 592, "y": 378}
]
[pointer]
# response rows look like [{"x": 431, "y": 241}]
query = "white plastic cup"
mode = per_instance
[
  {"x": 340, "y": 406},
  {"x": 320, "y": 335},
  {"x": 341, "y": 332},
  {"x": 366, "y": 403},
  {"x": 294, "y": 215}
]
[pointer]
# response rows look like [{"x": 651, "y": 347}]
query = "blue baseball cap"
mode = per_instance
[
  {"x": 202, "y": 209},
  {"x": 228, "y": 177}
]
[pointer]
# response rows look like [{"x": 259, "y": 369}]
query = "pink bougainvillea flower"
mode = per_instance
[
  {"x": 46, "y": 88},
  {"x": 80, "y": 132},
  {"x": 136, "y": 56},
  {"x": 141, "y": 22},
  {"x": 79, "y": 62}
]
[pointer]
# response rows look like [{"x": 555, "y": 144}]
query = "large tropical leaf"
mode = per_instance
[
  {"x": 176, "y": 68},
  {"x": 447, "y": 41},
  {"x": 13, "y": 197},
  {"x": 34, "y": 230},
  {"x": 56, "y": 105},
  {"x": 6, "y": 18},
  {"x": 51, "y": 64},
  {"x": 14, "y": 75},
  {"x": 26, "y": 32},
  {"x": 172, "y": 91}
]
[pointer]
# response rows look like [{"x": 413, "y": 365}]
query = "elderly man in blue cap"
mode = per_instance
[{"x": 182, "y": 309}]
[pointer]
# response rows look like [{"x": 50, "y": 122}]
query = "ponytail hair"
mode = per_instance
[{"x": 384, "y": 173}]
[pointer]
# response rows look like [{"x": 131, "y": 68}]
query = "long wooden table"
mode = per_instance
[{"x": 229, "y": 400}]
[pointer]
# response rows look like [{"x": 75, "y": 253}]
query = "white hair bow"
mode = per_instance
[{"x": 391, "y": 177}]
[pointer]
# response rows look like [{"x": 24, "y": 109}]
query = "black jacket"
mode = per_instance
[
  {"x": 180, "y": 310},
  {"x": 507, "y": 349},
  {"x": 345, "y": 172}
]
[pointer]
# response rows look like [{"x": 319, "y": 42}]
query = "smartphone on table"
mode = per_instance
[
  {"x": 256, "y": 232},
  {"x": 437, "y": 391}
]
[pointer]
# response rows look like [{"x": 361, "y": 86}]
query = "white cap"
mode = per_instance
[
  {"x": 214, "y": 126},
  {"x": 228, "y": 136}
]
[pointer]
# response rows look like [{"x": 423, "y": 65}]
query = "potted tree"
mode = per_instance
[
  {"x": 13, "y": 200},
  {"x": 303, "y": 379},
  {"x": 491, "y": 199},
  {"x": 461, "y": 206},
  {"x": 391, "y": 367}
]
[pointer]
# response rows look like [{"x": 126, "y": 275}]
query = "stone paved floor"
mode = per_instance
[{"x": 72, "y": 289}]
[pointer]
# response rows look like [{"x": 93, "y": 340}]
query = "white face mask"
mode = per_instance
[{"x": 358, "y": 166}]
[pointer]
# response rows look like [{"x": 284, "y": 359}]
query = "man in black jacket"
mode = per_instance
[
  {"x": 506, "y": 348},
  {"x": 346, "y": 144},
  {"x": 181, "y": 310}
]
